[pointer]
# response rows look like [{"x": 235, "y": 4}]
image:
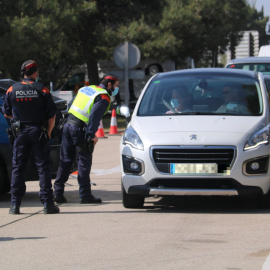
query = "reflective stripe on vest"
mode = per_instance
[{"x": 84, "y": 101}]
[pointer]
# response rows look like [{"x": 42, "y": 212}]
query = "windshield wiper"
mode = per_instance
[{"x": 187, "y": 113}]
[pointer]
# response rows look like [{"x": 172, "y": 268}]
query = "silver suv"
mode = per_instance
[{"x": 258, "y": 64}]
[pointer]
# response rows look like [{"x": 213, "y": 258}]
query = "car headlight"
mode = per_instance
[
  {"x": 132, "y": 138},
  {"x": 260, "y": 137}
]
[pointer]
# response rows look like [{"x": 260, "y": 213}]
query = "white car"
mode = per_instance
[
  {"x": 212, "y": 146},
  {"x": 259, "y": 64}
]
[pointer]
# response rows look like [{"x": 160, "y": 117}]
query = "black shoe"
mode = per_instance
[
  {"x": 52, "y": 209},
  {"x": 14, "y": 209},
  {"x": 90, "y": 199},
  {"x": 60, "y": 199}
]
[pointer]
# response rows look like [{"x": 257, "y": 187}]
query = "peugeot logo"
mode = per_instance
[{"x": 193, "y": 137}]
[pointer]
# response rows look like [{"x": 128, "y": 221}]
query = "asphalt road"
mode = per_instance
[{"x": 168, "y": 233}]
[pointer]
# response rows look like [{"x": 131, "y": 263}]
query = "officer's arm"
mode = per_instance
[
  {"x": 51, "y": 123},
  {"x": 7, "y": 108},
  {"x": 50, "y": 110},
  {"x": 97, "y": 112}
]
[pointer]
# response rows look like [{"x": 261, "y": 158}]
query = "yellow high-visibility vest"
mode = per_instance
[{"x": 84, "y": 101}]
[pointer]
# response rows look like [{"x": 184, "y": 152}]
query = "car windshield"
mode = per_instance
[
  {"x": 202, "y": 94},
  {"x": 258, "y": 67}
]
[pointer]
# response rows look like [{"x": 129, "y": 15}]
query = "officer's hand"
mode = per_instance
[{"x": 95, "y": 140}]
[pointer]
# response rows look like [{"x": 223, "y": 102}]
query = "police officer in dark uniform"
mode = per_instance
[
  {"x": 85, "y": 114},
  {"x": 31, "y": 106}
]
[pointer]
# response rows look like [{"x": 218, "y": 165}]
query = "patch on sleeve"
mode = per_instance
[{"x": 105, "y": 97}]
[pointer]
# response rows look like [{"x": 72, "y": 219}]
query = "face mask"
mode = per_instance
[
  {"x": 115, "y": 91},
  {"x": 174, "y": 103}
]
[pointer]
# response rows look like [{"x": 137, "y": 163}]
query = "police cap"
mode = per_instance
[{"x": 28, "y": 68}]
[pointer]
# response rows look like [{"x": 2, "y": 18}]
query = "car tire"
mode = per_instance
[
  {"x": 132, "y": 200},
  {"x": 263, "y": 201},
  {"x": 4, "y": 182}
]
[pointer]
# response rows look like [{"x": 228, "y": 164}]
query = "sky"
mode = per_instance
[{"x": 264, "y": 3}]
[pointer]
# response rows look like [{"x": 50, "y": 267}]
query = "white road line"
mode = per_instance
[
  {"x": 266, "y": 265},
  {"x": 106, "y": 171}
]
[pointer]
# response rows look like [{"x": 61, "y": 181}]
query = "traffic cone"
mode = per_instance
[
  {"x": 113, "y": 127},
  {"x": 74, "y": 174},
  {"x": 100, "y": 132}
]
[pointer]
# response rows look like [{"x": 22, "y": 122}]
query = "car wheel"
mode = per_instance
[
  {"x": 132, "y": 200},
  {"x": 4, "y": 182},
  {"x": 263, "y": 201}
]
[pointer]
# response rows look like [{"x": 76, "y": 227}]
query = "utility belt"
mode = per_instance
[
  {"x": 16, "y": 127},
  {"x": 73, "y": 120}
]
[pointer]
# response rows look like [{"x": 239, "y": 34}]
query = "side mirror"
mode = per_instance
[{"x": 123, "y": 111}]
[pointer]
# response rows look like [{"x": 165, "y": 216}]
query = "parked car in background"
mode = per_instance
[
  {"x": 258, "y": 64},
  {"x": 267, "y": 82},
  {"x": 213, "y": 147},
  {"x": 6, "y": 148}
]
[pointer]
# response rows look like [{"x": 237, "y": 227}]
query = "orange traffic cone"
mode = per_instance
[
  {"x": 74, "y": 174},
  {"x": 113, "y": 127},
  {"x": 100, "y": 132}
]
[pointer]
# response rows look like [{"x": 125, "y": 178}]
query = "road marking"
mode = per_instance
[
  {"x": 106, "y": 171},
  {"x": 101, "y": 172},
  {"x": 266, "y": 265}
]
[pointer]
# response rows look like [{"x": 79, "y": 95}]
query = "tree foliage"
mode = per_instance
[{"x": 60, "y": 34}]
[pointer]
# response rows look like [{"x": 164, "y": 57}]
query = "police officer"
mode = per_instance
[
  {"x": 85, "y": 114},
  {"x": 31, "y": 106}
]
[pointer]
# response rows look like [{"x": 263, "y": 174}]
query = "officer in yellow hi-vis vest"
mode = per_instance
[{"x": 85, "y": 114}]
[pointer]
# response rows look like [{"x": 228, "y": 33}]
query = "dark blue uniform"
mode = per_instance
[
  {"x": 32, "y": 104},
  {"x": 74, "y": 135}
]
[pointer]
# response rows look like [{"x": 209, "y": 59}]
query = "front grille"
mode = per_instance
[
  {"x": 195, "y": 183},
  {"x": 164, "y": 156}
]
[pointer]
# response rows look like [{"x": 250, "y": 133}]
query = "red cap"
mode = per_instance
[{"x": 111, "y": 77}]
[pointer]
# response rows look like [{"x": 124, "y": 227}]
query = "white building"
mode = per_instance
[{"x": 248, "y": 46}]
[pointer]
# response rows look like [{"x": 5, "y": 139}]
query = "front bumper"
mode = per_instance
[{"x": 235, "y": 189}]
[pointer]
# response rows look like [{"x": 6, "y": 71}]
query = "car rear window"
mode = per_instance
[
  {"x": 5, "y": 84},
  {"x": 258, "y": 67}
]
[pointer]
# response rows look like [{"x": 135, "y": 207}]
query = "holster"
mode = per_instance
[
  {"x": 10, "y": 136},
  {"x": 90, "y": 145},
  {"x": 61, "y": 124},
  {"x": 87, "y": 145},
  {"x": 15, "y": 126},
  {"x": 44, "y": 137}
]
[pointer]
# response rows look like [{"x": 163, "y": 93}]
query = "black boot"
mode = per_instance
[
  {"x": 60, "y": 199},
  {"x": 90, "y": 199},
  {"x": 14, "y": 209},
  {"x": 51, "y": 209}
]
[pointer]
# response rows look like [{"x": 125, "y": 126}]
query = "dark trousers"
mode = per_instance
[
  {"x": 73, "y": 137},
  {"x": 27, "y": 142}
]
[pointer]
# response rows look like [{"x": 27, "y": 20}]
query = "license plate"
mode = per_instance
[{"x": 194, "y": 168}]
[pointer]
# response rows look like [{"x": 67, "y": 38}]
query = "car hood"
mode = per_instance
[{"x": 212, "y": 130}]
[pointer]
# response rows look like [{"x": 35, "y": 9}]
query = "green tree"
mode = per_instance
[
  {"x": 61, "y": 34},
  {"x": 257, "y": 21},
  {"x": 196, "y": 27}
]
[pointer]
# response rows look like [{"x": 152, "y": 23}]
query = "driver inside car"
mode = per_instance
[
  {"x": 181, "y": 100},
  {"x": 234, "y": 100}
]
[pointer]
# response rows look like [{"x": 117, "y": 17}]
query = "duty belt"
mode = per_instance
[{"x": 76, "y": 122}]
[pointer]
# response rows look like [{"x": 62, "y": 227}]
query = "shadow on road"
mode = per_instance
[
  {"x": 211, "y": 204},
  {"x": 168, "y": 204}
]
